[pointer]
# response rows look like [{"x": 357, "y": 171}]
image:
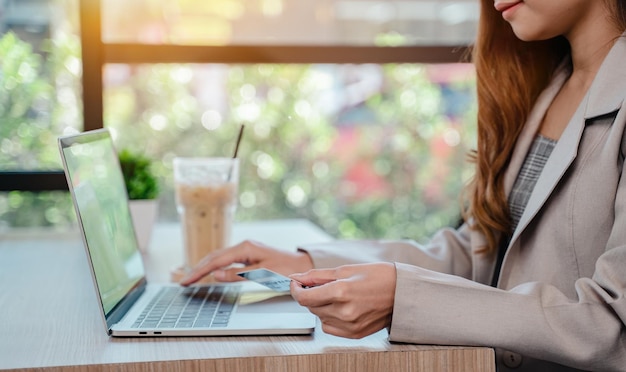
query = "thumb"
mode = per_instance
[{"x": 313, "y": 278}]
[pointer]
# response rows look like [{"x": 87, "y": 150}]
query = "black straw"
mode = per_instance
[
  {"x": 238, "y": 140},
  {"x": 236, "y": 150}
]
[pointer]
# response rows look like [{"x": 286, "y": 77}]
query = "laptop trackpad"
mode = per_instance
[{"x": 268, "y": 302}]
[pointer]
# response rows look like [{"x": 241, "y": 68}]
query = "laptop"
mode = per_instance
[{"x": 132, "y": 307}]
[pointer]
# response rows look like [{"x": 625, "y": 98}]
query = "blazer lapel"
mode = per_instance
[
  {"x": 562, "y": 156},
  {"x": 531, "y": 127},
  {"x": 484, "y": 265},
  {"x": 602, "y": 98}
]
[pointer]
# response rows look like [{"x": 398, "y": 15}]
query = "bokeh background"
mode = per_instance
[{"x": 363, "y": 150}]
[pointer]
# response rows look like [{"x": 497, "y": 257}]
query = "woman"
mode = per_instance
[{"x": 538, "y": 270}]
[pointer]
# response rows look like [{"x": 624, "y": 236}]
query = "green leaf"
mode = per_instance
[{"x": 141, "y": 183}]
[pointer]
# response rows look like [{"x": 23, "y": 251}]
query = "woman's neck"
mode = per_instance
[{"x": 590, "y": 43}]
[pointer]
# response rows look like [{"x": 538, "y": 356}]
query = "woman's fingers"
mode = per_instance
[
  {"x": 350, "y": 301},
  {"x": 230, "y": 274},
  {"x": 242, "y": 253},
  {"x": 313, "y": 278},
  {"x": 224, "y": 264},
  {"x": 312, "y": 297}
]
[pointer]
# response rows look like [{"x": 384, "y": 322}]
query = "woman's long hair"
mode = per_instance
[
  {"x": 510, "y": 74},
  {"x": 618, "y": 9}
]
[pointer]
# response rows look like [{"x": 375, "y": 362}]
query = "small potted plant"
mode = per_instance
[{"x": 143, "y": 189}]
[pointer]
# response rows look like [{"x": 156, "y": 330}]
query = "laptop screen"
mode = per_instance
[{"x": 101, "y": 202}]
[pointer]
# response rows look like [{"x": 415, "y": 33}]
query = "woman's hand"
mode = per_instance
[
  {"x": 252, "y": 255},
  {"x": 351, "y": 301}
]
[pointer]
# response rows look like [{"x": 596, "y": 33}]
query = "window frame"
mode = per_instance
[{"x": 96, "y": 54}]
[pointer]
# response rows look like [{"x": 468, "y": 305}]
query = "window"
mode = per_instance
[
  {"x": 283, "y": 22},
  {"x": 40, "y": 99},
  {"x": 365, "y": 139}
]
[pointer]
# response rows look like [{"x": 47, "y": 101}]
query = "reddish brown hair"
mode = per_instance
[
  {"x": 618, "y": 9},
  {"x": 510, "y": 74}
]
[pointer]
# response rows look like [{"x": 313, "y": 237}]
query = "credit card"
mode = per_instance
[{"x": 268, "y": 278}]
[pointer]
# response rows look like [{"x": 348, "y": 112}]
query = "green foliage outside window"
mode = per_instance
[
  {"x": 24, "y": 103},
  {"x": 391, "y": 166},
  {"x": 37, "y": 102}
]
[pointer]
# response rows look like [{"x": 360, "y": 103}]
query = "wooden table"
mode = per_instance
[{"x": 50, "y": 319}]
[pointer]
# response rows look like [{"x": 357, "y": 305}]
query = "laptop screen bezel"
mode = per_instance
[{"x": 123, "y": 305}]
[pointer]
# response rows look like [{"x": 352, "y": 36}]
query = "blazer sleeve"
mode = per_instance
[
  {"x": 535, "y": 319},
  {"x": 448, "y": 252}
]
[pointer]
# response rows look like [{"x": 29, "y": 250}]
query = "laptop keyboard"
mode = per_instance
[{"x": 189, "y": 307}]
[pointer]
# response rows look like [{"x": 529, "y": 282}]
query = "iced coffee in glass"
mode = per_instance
[{"x": 206, "y": 200}]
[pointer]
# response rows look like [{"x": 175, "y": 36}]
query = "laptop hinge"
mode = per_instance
[{"x": 122, "y": 307}]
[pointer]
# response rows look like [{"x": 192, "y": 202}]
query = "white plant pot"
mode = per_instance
[{"x": 144, "y": 215}]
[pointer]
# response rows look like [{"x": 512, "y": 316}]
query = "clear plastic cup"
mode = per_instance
[{"x": 206, "y": 200}]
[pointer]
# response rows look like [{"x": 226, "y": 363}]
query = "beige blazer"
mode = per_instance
[{"x": 561, "y": 297}]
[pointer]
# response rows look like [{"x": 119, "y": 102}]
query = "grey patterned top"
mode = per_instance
[{"x": 527, "y": 178}]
